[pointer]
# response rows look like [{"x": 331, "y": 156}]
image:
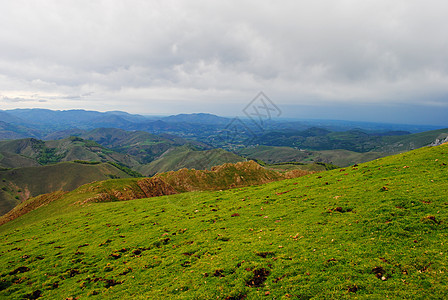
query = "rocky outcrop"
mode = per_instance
[
  {"x": 153, "y": 187},
  {"x": 439, "y": 142}
]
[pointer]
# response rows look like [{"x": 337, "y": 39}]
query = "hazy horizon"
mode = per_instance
[{"x": 281, "y": 118}]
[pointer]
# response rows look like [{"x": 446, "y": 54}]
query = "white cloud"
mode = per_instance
[{"x": 195, "y": 52}]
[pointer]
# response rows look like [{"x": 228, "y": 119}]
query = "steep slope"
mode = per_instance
[
  {"x": 189, "y": 157},
  {"x": 17, "y": 185},
  {"x": 377, "y": 230},
  {"x": 69, "y": 149},
  {"x": 221, "y": 177}
]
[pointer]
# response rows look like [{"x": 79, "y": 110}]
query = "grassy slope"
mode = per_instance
[
  {"x": 375, "y": 231},
  {"x": 12, "y": 160},
  {"x": 345, "y": 158},
  {"x": 341, "y": 158},
  {"x": 187, "y": 157},
  {"x": 60, "y": 150},
  {"x": 393, "y": 144},
  {"x": 219, "y": 177},
  {"x": 33, "y": 181},
  {"x": 270, "y": 154},
  {"x": 143, "y": 146},
  {"x": 354, "y": 140},
  {"x": 222, "y": 177}
]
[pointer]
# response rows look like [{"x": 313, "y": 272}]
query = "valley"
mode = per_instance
[{"x": 148, "y": 146}]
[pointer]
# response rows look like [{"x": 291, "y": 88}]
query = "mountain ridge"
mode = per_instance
[{"x": 221, "y": 177}]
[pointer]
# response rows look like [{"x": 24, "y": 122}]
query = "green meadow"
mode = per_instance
[{"x": 376, "y": 230}]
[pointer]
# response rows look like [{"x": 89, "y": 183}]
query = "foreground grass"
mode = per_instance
[{"x": 372, "y": 231}]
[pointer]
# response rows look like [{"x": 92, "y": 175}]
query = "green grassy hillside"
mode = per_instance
[
  {"x": 393, "y": 144},
  {"x": 354, "y": 140},
  {"x": 69, "y": 149},
  {"x": 222, "y": 177},
  {"x": 189, "y": 157},
  {"x": 376, "y": 231},
  {"x": 17, "y": 185},
  {"x": 343, "y": 158},
  {"x": 12, "y": 160},
  {"x": 142, "y": 146}
]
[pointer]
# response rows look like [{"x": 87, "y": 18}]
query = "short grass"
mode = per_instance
[
  {"x": 286, "y": 167},
  {"x": 374, "y": 231}
]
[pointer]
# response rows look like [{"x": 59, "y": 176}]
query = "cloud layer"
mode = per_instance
[{"x": 173, "y": 56}]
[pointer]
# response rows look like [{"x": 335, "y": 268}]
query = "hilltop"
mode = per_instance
[
  {"x": 189, "y": 157},
  {"x": 48, "y": 152},
  {"x": 142, "y": 146},
  {"x": 220, "y": 177},
  {"x": 374, "y": 230}
]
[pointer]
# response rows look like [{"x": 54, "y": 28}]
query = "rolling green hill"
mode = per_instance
[
  {"x": 220, "y": 177},
  {"x": 12, "y": 160},
  {"x": 338, "y": 148},
  {"x": 353, "y": 140},
  {"x": 342, "y": 158},
  {"x": 393, "y": 144},
  {"x": 142, "y": 146},
  {"x": 17, "y": 185},
  {"x": 377, "y": 230},
  {"x": 189, "y": 157},
  {"x": 69, "y": 149}
]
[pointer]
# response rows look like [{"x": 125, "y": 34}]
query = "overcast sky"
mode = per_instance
[{"x": 362, "y": 60}]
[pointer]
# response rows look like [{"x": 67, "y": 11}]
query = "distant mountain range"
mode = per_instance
[{"x": 43, "y": 123}]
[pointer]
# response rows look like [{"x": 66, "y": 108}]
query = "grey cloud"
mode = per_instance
[
  {"x": 18, "y": 99},
  {"x": 297, "y": 51}
]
